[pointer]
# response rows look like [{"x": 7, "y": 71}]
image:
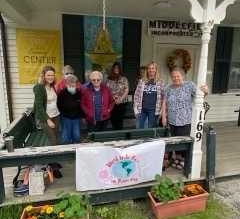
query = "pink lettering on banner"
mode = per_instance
[{"x": 121, "y": 170}]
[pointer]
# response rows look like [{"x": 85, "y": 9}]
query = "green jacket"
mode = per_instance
[{"x": 40, "y": 102}]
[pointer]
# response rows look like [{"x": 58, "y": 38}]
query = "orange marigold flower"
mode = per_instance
[{"x": 45, "y": 207}]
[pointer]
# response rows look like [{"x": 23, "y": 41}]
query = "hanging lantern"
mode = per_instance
[{"x": 103, "y": 53}]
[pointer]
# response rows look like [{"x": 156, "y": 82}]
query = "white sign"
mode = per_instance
[
  {"x": 36, "y": 182},
  {"x": 107, "y": 167},
  {"x": 173, "y": 28}
]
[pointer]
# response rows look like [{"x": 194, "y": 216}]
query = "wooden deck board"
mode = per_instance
[{"x": 227, "y": 164}]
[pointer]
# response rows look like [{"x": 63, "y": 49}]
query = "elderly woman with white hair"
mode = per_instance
[
  {"x": 97, "y": 102},
  {"x": 177, "y": 108}
]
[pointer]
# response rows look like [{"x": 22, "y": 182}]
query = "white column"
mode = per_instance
[
  {"x": 208, "y": 15},
  {"x": 198, "y": 111}
]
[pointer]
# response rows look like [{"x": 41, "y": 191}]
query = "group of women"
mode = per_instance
[{"x": 63, "y": 104}]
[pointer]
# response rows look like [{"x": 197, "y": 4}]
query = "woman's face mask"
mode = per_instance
[{"x": 71, "y": 90}]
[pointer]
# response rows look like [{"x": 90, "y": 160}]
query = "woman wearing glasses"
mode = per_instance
[
  {"x": 67, "y": 70},
  {"x": 97, "y": 103}
]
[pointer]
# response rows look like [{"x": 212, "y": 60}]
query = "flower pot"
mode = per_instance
[
  {"x": 180, "y": 207},
  {"x": 24, "y": 213},
  {"x": 38, "y": 209}
]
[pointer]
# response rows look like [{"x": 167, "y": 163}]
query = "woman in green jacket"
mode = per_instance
[{"x": 45, "y": 104}]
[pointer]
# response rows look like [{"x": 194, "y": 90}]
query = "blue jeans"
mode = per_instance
[
  {"x": 70, "y": 130},
  {"x": 146, "y": 115}
]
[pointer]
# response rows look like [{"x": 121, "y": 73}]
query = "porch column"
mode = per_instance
[
  {"x": 208, "y": 15},
  {"x": 4, "y": 116}
]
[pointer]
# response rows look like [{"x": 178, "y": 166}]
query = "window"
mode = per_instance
[
  {"x": 226, "y": 75},
  {"x": 234, "y": 73}
]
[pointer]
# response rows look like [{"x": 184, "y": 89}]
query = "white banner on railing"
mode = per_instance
[{"x": 106, "y": 167}]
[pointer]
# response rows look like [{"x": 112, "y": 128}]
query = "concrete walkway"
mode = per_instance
[{"x": 229, "y": 193}]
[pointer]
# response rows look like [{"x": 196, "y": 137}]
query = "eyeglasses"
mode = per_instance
[
  {"x": 68, "y": 73},
  {"x": 97, "y": 80}
]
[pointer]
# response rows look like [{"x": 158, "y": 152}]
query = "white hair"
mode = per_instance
[{"x": 98, "y": 73}]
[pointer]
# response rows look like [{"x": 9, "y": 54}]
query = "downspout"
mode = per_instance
[{"x": 6, "y": 67}]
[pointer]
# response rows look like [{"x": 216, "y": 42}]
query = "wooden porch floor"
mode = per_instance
[{"x": 227, "y": 164}]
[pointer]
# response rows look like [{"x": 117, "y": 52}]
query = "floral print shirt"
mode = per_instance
[
  {"x": 179, "y": 103},
  {"x": 118, "y": 87}
]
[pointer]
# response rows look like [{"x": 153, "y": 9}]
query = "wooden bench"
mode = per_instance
[
  {"x": 128, "y": 134},
  {"x": 43, "y": 155},
  {"x": 24, "y": 131}
]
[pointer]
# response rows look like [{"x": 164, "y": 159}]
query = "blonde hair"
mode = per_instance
[
  {"x": 98, "y": 73},
  {"x": 157, "y": 74}
]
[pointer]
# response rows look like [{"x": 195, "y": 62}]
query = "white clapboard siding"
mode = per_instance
[
  {"x": 222, "y": 107},
  {"x": 22, "y": 95}
]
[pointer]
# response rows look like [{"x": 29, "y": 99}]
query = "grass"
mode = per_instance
[
  {"x": 11, "y": 212},
  {"x": 132, "y": 210}
]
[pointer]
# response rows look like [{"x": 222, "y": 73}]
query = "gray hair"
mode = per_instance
[
  {"x": 178, "y": 69},
  {"x": 86, "y": 75},
  {"x": 98, "y": 73},
  {"x": 68, "y": 69},
  {"x": 71, "y": 79}
]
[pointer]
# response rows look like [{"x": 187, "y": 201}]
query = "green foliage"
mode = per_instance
[
  {"x": 11, "y": 211},
  {"x": 166, "y": 190},
  {"x": 74, "y": 205},
  {"x": 122, "y": 210},
  {"x": 133, "y": 210}
]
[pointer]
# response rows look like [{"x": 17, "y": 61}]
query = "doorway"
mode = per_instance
[{"x": 163, "y": 51}]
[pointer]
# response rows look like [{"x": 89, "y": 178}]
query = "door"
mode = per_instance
[{"x": 163, "y": 51}]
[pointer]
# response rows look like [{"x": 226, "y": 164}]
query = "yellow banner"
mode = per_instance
[{"x": 35, "y": 49}]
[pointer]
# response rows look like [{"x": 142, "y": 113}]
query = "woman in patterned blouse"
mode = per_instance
[
  {"x": 118, "y": 84},
  {"x": 148, "y": 98},
  {"x": 177, "y": 108}
]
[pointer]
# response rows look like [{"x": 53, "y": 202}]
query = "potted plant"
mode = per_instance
[
  {"x": 70, "y": 206},
  {"x": 170, "y": 199}
]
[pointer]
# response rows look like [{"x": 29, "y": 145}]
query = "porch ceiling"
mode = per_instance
[{"x": 170, "y": 9}]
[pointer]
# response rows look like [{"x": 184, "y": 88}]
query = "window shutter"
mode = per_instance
[
  {"x": 222, "y": 59},
  {"x": 73, "y": 43},
  {"x": 132, "y": 31}
]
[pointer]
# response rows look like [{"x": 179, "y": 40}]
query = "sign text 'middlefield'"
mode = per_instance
[{"x": 173, "y": 28}]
